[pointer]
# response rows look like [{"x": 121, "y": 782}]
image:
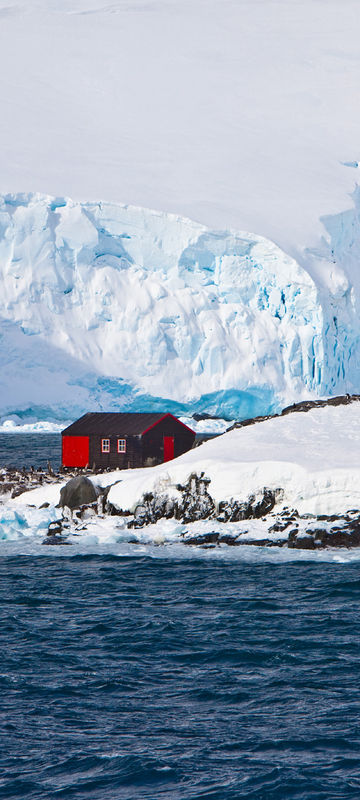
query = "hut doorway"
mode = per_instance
[{"x": 168, "y": 448}]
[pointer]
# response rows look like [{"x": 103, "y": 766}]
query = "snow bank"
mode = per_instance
[{"x": 314, "y": 457}]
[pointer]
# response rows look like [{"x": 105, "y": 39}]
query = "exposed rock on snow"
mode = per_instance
[
  {"x": 305, "y": 533},
  {"x": 188, "y": 503},
  {"x": 254, "y": 507},
  {"x": 313, "y": 458},
  {"x": 303, "y": 406},
  {"x": 194, "y": 502}
]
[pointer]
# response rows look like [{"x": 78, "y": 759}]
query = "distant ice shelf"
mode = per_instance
[
  {"x": 203, "y": 426},
  {"x": 43, "y": 426},
  {"x": 111, "y": 307}
]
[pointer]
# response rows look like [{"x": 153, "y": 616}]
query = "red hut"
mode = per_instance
[{"x": 124, "y": 441}]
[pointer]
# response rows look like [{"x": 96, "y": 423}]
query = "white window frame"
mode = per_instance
[
  {"x": 105, "y": 445},
  {"x": 121, "y": 445}
]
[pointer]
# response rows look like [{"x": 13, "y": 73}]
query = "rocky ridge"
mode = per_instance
[{"x": 283, "y": 528}]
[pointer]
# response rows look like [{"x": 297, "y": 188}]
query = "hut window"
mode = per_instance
[
  {"x": 105, "y": 445},
  {"x": 121, "y": 445}
]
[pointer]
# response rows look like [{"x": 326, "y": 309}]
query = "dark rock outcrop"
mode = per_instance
[
  {"x": 194, "y": 503},
  {"x": 346, "y": 533},
  {"x": 294, "y": 532},
  {"x": 254, "y": 508},
  {"x": 197, "y": 503}
]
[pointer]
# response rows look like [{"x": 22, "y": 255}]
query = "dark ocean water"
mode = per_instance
[
  {"x": 140, "y": 678},
  {"x": 30, "y": 450}
]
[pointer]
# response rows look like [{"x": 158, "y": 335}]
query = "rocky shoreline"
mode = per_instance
[
  {"x": 310, "y": 454},
  {"x": 81, "y": 501},
  {"x": 302, "y": 533}
]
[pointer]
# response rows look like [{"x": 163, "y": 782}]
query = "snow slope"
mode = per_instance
[{"x": 314, "y": 457}]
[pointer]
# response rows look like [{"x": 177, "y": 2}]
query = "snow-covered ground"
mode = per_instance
[{"x": 312, "y": 457}]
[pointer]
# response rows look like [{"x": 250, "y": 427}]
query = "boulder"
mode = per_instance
[
  {"x": 255, "y": 507},
  {"x": 79, "y": 491}
]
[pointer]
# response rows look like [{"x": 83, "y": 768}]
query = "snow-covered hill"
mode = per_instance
[{"x": 312, "y": 457}]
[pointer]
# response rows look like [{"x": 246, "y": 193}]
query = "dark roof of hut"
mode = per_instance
[{"x": 115, "y": 424}]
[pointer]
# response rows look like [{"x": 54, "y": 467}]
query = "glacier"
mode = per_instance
[{"x": 110, "y": 307}]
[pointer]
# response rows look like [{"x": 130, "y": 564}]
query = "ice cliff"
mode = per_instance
[{"x": 107, "y": 306}]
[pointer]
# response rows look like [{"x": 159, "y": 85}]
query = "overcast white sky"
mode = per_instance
[{"x": 237, "y": 113}]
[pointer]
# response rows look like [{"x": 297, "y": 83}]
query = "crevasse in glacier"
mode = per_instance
[{"x": 107, "y": 306}]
